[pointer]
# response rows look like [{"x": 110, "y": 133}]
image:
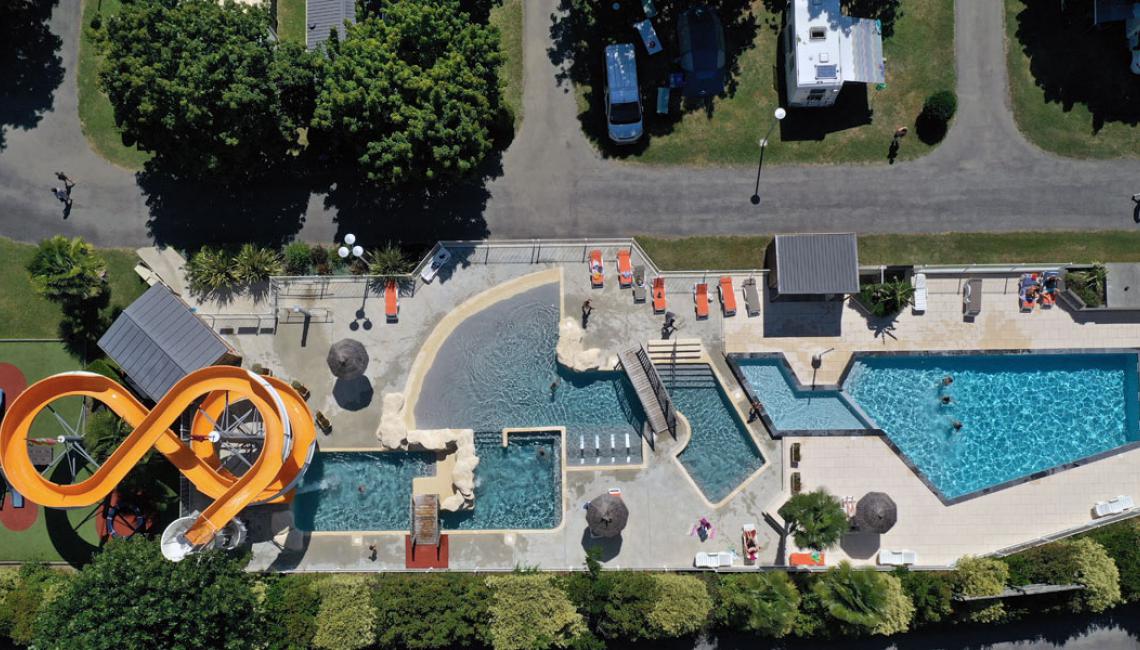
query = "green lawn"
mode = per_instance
[
  {"x": 23, "y": 314},
  {"x": 95, "y": 113},
  {"x": 1073, "y": 93},
  {"x": 699, "y": 253},
  {"x": 919, "y": 53},
  {"x": 291, "y": 21},
  {"x": 508, "y": 17}
]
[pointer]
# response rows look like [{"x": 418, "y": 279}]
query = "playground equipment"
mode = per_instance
[{"x": 286, "y": 437}]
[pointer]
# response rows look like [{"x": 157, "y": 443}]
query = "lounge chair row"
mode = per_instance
[{"x": 629, "y": 276}]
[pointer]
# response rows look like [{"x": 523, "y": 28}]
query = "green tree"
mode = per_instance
[
  {"x": 856, "y": 598},
  {"x": 209, "y": 270},
  {"x": 898, "y": 611},
  {"x": 760, "y": 603},
  {"x": 940, "y": 106},
  {"x": 930, "y": 591},
  {"x": 290, "y": 612},
  {"x": 298, "y": 258},
  {"x": 1122, "y": 541},
  {"x": 981, "y": 576},
  {"x": 887, "y": 298},
  {"x": 204, "y": 86},
  {"x": 615, "y": 604},
  {"x": 815, "y": 519},
  {"x": 1081, "y": 561},
  {"x": 67, "y": 270},
  {"x": 431, "y": 611},
  {"x": 681, "y": 605},
  {"x": 389, "y": 260},
  {"x": 28, "y": 593},
  {"x": 132, "y": 595},
  {"x": 254, "y": 264},
  {"x": 530, "y": 612},
  {"x": 411, "y": 95},
  {"x": 345, "y": 620}
]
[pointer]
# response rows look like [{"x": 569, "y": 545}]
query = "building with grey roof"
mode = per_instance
[
  {"x": 158, "y": 341},
  {"x": 322, "y": 16},
  {"x": 813, "y": 266}
]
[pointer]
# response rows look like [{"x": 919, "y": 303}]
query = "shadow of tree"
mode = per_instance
[
  {"x": 30, "y": 66},
  {"x": 583, "y": 28},
  {"x": 1076, "y": 63},
  {"x": 885, "y": 11}
]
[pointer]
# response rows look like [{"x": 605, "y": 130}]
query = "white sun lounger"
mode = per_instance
[
  {"x": 1114, "y": 506},
  {"x": 713, "y": 560},
  {"x": 897, "y": 558},
  {"x": 919, "y": 293}
]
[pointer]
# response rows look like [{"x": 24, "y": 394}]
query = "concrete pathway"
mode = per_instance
[{"x": 984, "y": 177}]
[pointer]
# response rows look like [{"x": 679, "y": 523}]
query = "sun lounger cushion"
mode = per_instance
[
  {"x": 751, "y": 298},
  {"x": 920, "y": 292},
  {"x": 706, "y": 560},
  {"x": 1114, "y": 506},
  {"x": 897, "y": 558}
]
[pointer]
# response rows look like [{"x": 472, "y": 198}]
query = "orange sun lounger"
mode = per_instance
[
  {"x": 701, "y": 299},
  {"x": 727, "y": 298},
  {"x": 625, "y": 270},
  {"x": 391, "y": 301},
  {"x": 597, "y": 272},
  {"x": 659, "y": 295},
  {"x": 806, "y": 559}
]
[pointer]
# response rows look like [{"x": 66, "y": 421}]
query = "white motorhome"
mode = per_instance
[{"x": 823, "y": 49}]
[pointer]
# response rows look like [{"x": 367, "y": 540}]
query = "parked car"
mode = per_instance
[
  {"x": 623, "y": 98},
  {"x": 700, "y": 38}
]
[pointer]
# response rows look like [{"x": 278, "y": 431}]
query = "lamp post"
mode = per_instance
[
  {"x": 778, "y": 115},
  {"x": 350, "y": 247}
]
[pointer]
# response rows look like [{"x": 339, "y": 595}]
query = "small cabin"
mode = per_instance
[{"x": 824, "y": 49}]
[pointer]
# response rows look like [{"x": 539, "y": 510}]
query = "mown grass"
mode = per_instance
[
  {"x": 698, "y": 253},
  {"x": 291, "y": 21},
  {"x": 508, "y": 17},
  {"x": 1073, "y": 93},
  {"x": 95, "y": 113}
]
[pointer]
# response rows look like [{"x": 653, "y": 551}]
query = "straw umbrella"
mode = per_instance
[
  {"x": 876, "y": 512},
  {"x": 347, "y": 359},
  {"x": 607, "y": 516}
]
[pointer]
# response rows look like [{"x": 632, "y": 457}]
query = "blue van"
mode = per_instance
[{"x": 623, "y": 98}]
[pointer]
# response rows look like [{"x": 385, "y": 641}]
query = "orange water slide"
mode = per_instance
[{"x": 287, "y": 446}]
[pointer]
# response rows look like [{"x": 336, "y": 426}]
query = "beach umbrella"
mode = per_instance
[
  {"x": 347, "y": 359},
  {"x": 606, "y": 515},
  {"x": 876, "y": 512}
]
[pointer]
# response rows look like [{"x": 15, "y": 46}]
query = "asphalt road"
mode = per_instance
[{"x": 984, "y": 177}]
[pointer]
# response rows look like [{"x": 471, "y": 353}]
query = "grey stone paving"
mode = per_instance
[{"x": 984, "y": 177}]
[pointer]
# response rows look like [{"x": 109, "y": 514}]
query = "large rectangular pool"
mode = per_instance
[{"x": 1001, "y": 417}]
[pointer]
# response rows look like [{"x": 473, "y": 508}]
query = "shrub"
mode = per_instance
[
  {"x": 1080, "y": 561},
  {"x": 291, "y": 606},
  {"x": 67, "y": 270},
  {"x": 133, "y": 595},
  {"x": 940, "y": 106},
  {"x": 345, "y": 619},
  {"x": 856, "y": 598},
  {"x": 1089, "y": 285},
  {"x": 1122, "y": 541},
  {"x": 431, "y": 611},
  {"x": 298, "y": 258},
  {"x": 319, "y": 256},
  {"x": 105, "y": 367},
  {"x": 898, "y": 612},
  {"x": 209, "y": 270},
  {"x": 981, "y": 576},
  {"x": 27, "y": 593},
  {"x": 931, "y": 594},
  {"x": 615, "y": 604},
  {"x": 681, "y": 605},
  {"x": 759, "y": 603},
  {"x": 1098, "y": 573},
  {"x": 816, "y": 519},
  {"x": 812, "y": 620},
  {"x": 389, "y": 260},
  {"x": 887, "y": 298},
  {"x": 255, "y": 264},
  {"x": 530, "y": 612}
]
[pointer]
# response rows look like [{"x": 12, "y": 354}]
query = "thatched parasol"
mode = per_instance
[
  {"x": 876, "y": 512},
  {"x": 347, "y": 359},
  {"x": 607, "y": 515}
]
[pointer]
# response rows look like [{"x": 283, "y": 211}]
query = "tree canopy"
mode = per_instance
[
  {"x": 204, "y": 86},
  {"x": 816, "y": 519},
  {"x": 763, "y": 603},
  {"x": 67, "y": 270},
  {"x": 410, "y": 95}
]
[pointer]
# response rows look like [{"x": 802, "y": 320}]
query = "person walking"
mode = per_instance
[
  {"x": 587, "y": 309},
  {"x": 1136, "y": 197},
  {"x": 67, "y": 182}
]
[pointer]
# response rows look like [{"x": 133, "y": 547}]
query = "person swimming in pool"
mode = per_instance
[
  {"x": 947, "y": 380},
  {"x": 957, "y": 424},
  {"x": 360, "y": 488},
  {"x": 946, "y": 400}
]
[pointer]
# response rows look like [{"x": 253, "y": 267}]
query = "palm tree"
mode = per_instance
[
  {"x": 815, "y": 518},
  {"x": 67, "y": 270},
  {"x": 255, "y": 264},
  {"x": 855, "y": 597},
  {"x": 209, "y": 270},
  {"x": 762, "y": 603},
  {"x": 389, "y": 260}
]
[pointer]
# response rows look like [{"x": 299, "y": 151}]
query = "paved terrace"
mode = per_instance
[{"x": 663, "y": 501}]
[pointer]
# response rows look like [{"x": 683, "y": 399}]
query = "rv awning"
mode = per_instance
[
  {"x": 864, "y": 52},
  {"x": 1111, "y": 11}
]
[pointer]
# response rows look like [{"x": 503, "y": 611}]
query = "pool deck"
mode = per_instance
[{"x": 664, "y": 502}]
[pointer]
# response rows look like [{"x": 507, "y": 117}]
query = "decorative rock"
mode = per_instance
[
  {"x": 453, "y": 503},
  {"x": 573, "y": 354}
]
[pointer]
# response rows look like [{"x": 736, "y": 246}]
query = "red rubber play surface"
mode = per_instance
[
  {"x": 14, "y": 518},
  {"x": 12, "y": 381},
  {"x": 127, "y": 519}
]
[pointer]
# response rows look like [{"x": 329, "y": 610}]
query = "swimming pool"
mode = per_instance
[
  {"x": 1019, "y": 413},
  {"x": 721, "y": 453},
  {"x": 791, "y": 409},
  {"x": 329, "y": 497}
]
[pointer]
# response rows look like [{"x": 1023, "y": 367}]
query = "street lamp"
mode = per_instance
[
  {"x": 350, "y": 247},
  {"x": 778, "y": 115}
]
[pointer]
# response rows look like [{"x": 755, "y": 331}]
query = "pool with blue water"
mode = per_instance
[
  {"x": 796, "y": 410},
  {"x": 1019, "y": 413}
]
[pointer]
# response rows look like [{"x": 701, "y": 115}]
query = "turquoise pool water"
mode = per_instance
[
  {"x": 721, "y": 453},
  {"x": 329, "y": 496},
  {"x": 1020, "y": 414},
  {"x": 515, "y": 487},
  {"x": 791, "y": 409}
]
